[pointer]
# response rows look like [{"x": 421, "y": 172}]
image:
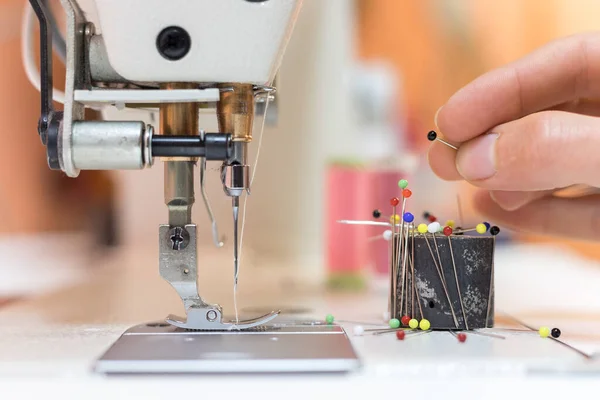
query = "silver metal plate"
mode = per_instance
[{"x": 280, "y": 348}]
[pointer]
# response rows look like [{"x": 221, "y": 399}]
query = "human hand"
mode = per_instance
[{"x": 526, "y": 130}]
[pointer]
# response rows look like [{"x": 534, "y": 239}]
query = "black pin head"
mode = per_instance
[
  {"x": 494, "y": 230},
  {"x": 431, "y": 136},
  {"x": 426, "y": 215},
  {"x": 555, "y": 333},
  {"x": 459, "y": 229},
  {"x": 376, "y": 213}
]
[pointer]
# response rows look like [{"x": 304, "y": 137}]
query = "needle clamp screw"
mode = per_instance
[{"x": 179, "y": 238}]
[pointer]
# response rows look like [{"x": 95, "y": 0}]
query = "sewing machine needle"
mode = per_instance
[{"x": 235, "y": 202}]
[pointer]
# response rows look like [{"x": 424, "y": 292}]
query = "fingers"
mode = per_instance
[
  {"x": 547, "y": 216},
  {"x": 580, "y": 106},
  {"x": 542, "y": 151},
  {"x": 557, "y": 73},
  {"x": 511, "y": 201},
  {"x": 442, "y": 160}
]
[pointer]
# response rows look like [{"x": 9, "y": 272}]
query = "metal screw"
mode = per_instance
[
  {"x": 211, "y": 315},
  {"x": 90, "y": 29},
  {"x": 173, "y": 43},
  {"x": 179, "y": 238}
]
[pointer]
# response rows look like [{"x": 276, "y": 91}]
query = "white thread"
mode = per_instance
[{"x": 262, "y": 128}]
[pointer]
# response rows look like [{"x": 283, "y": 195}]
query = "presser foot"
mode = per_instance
[
  {"x": 212, "y": 319},
  {"x": 178, "y": 266}
]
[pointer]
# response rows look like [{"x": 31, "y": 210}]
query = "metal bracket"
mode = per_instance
[
  {"x": 76, "y": 78},
  {"x": 178, "y": 266}
]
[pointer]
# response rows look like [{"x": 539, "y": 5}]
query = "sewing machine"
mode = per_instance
[
  {"x": 233, "y": 73},
  {"x": 178, "y": 57}
]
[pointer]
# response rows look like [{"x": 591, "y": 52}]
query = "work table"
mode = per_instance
[{"x": 52, "y": 340}]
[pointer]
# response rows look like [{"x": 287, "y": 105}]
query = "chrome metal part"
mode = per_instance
[
  {"x": 149, "y": 97},
  {"x": 278, "y": 348},
  {"x": 180, "y": 238},
  {"x": 203, "y": 318},
  {"x": 218, "y": 241},
  {"x": 147, "y": 145},
  {"x": 110, "y": 145},
  {"x": 179, "y": 119},
  {"x": 100, "y": 68},
  {"x": 75, "y": 79},
  {"x": 236, "y": 179},
  {"x": 235, "y": 205},
  {"x": 178, "y": 266},
  {"x": 179, "y": 191},
  {"x": 235, "y": 173}
]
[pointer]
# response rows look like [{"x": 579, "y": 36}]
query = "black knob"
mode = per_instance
[{"x": 173, "y": 43}]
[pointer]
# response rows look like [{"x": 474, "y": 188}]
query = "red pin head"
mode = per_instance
[
  {"x": 447, "y": 231},
  {"x": 405, "y": 320},
  {"x": 406, "y": 193},
  {"x": 461, "y": 337},
  {"x": 400, "y": 334},
  {"x": 395, "y": 201}
]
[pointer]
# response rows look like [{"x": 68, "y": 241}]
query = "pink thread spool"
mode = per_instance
[{"x": 346, "y": 246}]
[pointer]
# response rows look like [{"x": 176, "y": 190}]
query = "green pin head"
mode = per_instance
[
  {"x": 394, "y": 323},
  {"x": 402, "y": 183}
]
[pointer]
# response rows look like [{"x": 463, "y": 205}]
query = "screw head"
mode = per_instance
[
  {"x": 179, "y": 238},
  {"x": 211, "y": 315},
  {"x": 173, "y": 43}
]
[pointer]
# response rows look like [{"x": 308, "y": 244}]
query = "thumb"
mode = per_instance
[{"x": 541, "y": 151}]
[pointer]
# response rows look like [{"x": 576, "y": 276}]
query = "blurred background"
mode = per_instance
[{"x": 357, "y": 92}]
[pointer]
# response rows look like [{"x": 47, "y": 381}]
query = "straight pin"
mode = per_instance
[
  {"x": 576, "y": 350},
  {"x": 432, "y": 135},
  {"x": 399, "y": 252},
  {"x": 437, "y": 250},
  {"x": 460, "y": 336},
  {"x": 513, "y": 330},
  {"x": 381, "y": 329},
  {"x": 415, "y": 288},
  {"x": 404, "y": 275},
  {"x": 462, "y": 305},
  {"x": 412, "y": 279},
  {"x": 460, "y": 231},
  {"x": 488, "y": 334},
  {"x": 392, "y": 304},
  {"x": 418, "y": 333},
  {"x": 442, "y": 279}
]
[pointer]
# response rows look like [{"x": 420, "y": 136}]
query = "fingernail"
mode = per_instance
[
  {"x": 435, "y": 119},
  {"x": 510, "y": 201},
  {"x": 476, "y": 159}
]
